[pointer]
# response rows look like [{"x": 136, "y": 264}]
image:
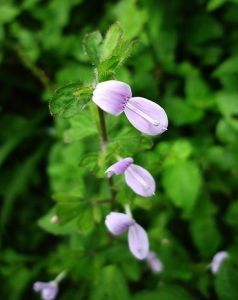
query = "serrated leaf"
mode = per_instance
[
  {"x": 69, "y": 100},
  {"x": 182, "y": 183},
  {"x": 92, "y": 46},
  {"x": 111, "y": 41}
]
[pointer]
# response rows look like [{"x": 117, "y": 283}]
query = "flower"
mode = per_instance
[
  {"x": 115, "y": 97},
  {"x": 138, "y": 242},
  {"x": 136, "y": 177},
  {"x": 154, "y": 262},
  {"x": 217, "y": 261},
  {"x": 48, "y": 290}
]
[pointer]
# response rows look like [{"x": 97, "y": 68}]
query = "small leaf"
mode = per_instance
[
  {"x": 69, "y": 100},
  {"x": 92, "y": 46},
  {"x": 85, "y": 221},
  {"x": 111, "y": 41}
]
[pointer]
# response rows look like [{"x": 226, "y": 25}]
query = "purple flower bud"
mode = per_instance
[
  {"x": 137, "y": 178},
  {"x": 146, "y": 116},
  {"x": 115, "y": 97},
  {"x": 48, "y": 290},
  {"x": 217, "y": 261},
  {"x": 119, "y": 167},
  {"x": 117, "y": 223},
  {"x": 138, "y": 241},
  {"x": 112, "y": 96},
  {"x": 154, "y": 263}
]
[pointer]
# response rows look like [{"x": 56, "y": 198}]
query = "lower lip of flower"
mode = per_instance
[{"x": 142, "y": 114}]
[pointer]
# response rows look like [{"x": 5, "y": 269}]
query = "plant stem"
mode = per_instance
[{"x": 104, "y": 141}]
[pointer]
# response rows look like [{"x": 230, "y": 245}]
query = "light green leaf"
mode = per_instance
[
  {"x": 111, "y": 41},
  {"x": 214, "y": 4},
  {"x": 69, "y": 100},
  {"x": 92, "y": 46},
  {"x": 182, "y": 182}
]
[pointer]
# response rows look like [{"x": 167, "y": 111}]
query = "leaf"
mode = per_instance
[
  {"x": 69, "y": 100},
  {"x": 181, "y": 113},
  {"x": 110, "y": 285},
  {"x": 92, "y": 46},
  {"x": 111, "y": 41},
  {"x": 8, "y": 12},
  {"x": 85, "y": 220},
  {"x": 182, "y": 182},
  {"x": 168, "y": 292},
  {"x": 205, "y": 235},
  {"x": 226, "y": 281},
  {"x": 56, "y": 228},
  {"x": 81, "y": 126},
  {"x": 215, "y": 4}
]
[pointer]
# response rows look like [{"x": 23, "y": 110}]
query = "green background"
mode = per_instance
[{"x": 185, "y": 57}]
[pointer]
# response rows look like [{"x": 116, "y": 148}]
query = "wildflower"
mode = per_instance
[
  {"x": 154, "y": 262},
  {"x": 138, "y": 242},
  {"x": 217, "y": 261},
  {"x": 48, "y": 290},
  {"x": 136, "y": 177},
  {"x": 115, "y": 97}
]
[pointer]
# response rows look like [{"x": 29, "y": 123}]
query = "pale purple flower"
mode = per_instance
[
  {"x": 115, "y": 97},
  {"x": 138, "y": 242},
  {"x": 217, "y": 261},
  {"x": 154, "y": 262},
  {"x": 136, "y": 177},
  {"x": 48, "y": 290}
]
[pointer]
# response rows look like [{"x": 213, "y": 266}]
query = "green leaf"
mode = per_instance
[
  {"x": 168, "y": 292},
  {"x": 214, "y": 4},
  {"x": 182, "y": 182},
  {"x": 56, "y": 228},
  {"x": 81, "y": 126},
  {"x": 182, "y": 113},
  {"x": 69, "y": 100},
  {"x": 8, "y": 12},
  {"x": 85, "y": 221},
  {"x": 205, "y": 235},
  {"x": 92, "y": 46},
  {"x": 111, "y": 41},
  {"x": 110, "y": 284},
  {"x": 226, "y": 281}
]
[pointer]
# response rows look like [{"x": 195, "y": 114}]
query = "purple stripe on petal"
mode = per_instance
[
  {"x": 112, "y": 96},
  {"x": 117, "y": 223},
  {"x": 140, "y": 181},
  {"x": 119, "y": 167},
  {"x": 138, "y": 241},
  {"x": 146, "y": 116},
  {"x": 218, "y": 260}
]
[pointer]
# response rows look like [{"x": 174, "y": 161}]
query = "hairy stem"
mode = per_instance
[{"x": 104, "y": 141}]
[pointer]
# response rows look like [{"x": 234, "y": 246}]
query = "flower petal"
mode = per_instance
[
  {"x": 140, "y": 181},
  {"x": 138, "y": 241},
  {"x": 146, "y": 116},
  {"x": 154, "y": 262},
  {"x": 119, "y": 167},
  {"x": 217, "y": 260},
  {"x": 112, "y": 96},
  {"x": 50, "y": 292},
  {"x": 39, "y": 285},
  {"x": 117, "y": 223}
]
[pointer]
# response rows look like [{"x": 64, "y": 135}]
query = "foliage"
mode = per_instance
[{"x": 180, "y": 54}]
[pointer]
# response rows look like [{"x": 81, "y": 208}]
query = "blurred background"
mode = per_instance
[{"x": 186, "y": 59}]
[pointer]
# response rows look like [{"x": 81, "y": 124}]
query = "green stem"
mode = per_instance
[{"x": 104, "y": 142}]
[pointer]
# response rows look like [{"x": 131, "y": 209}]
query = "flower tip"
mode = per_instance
[{"x": 109, "y": 174}]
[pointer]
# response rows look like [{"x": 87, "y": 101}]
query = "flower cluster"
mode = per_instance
[{"x": 148, "y": 117}]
